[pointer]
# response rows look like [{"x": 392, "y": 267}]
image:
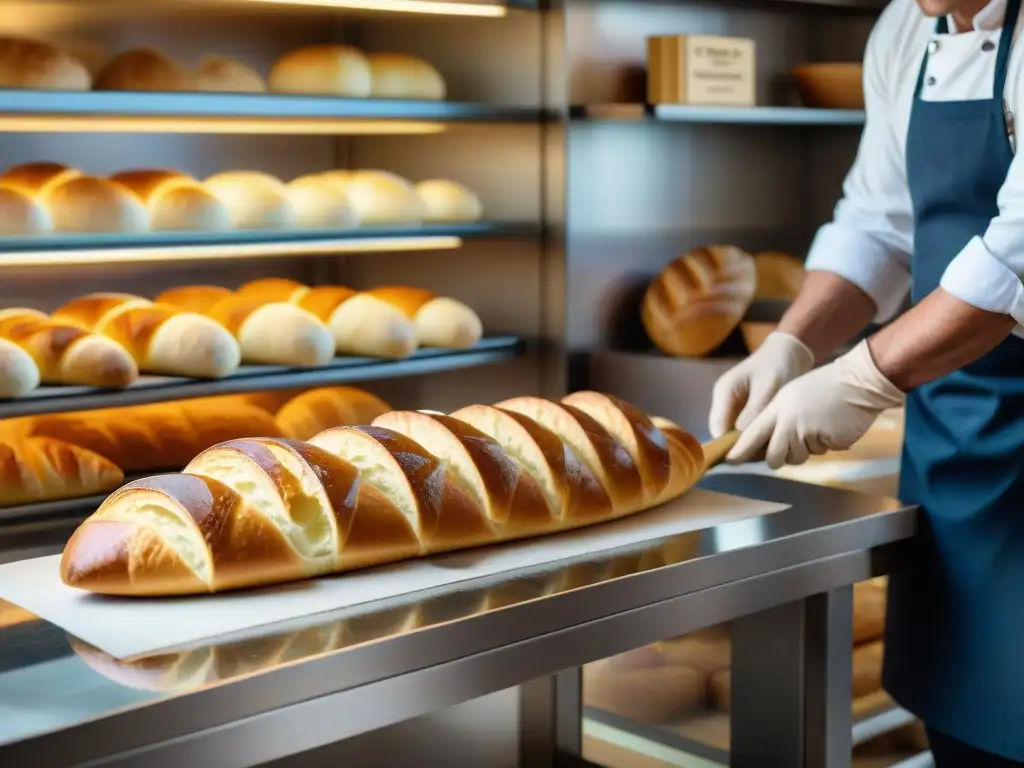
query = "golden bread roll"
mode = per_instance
[
  {"x": 194, "y": 298},
  {"x": 310, "y": 413},
  {"x": 217, "y": 73},
  {"x": 66, "y": 354},
  {"x": 445, "y": 200},
  {"x": 378, "y": 197},
  {"x": 88, "y": 204},
  {"x": 357, "y": 496},
  {"x": 275, "y": 333},
  {"x": 362, "y": 324},
  {"x": 42, "y": 469},
  {"x": 779, "y": 275},
  {"x": 254, "y": 200},
  {"x": 175, "y": 201},
  {"x": 439, "y": 321},
  {"x": 40, "y": 66},
  {"x": 706, "y": 650},
  {"x": 698, "y": 300},
  {"x": 401, "y": 76},
  {"x": 143, "y": 69},
  {"x": 320, "y": 204},
  {"x": 867, "y": 668},
  {"x": 161, "y": 339},
  {"x": 642, "y": 686},
  {"x": 328, "y": 69},
  {"x": 19, "y": 373},
  {"x": 21, "y": 215},
  {"x": 36, "y": 179},
  {"x": 869, "y": 601}
]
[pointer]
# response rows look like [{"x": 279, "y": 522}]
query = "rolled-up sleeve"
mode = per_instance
[{"x": 870, "y": 239}]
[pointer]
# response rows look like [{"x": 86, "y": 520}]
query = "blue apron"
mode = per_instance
[{"x": 955, "y": 627}]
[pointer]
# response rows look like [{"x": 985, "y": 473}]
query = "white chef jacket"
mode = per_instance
[{"x": 871, "y": 237}]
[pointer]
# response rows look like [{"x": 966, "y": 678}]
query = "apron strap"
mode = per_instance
[{"x": 1005, "y": 43}]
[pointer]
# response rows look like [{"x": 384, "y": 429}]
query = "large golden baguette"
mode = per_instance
[
  {"x": 41, "y": 469},
  {"x": 412, "y": 483}
]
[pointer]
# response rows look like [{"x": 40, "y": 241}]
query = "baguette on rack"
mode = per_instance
[
  {"x": 161, "y": 339},
  {"x": 412, "y": 483},
  {"x": 19, "y": 373},
  {"x": 362, "y": 324},
  {"x": 310, "y": 413},
  {"x": 66, "y": 354},
  {"x": 439, "y": 321},
  {"x": 42, "y": 469},
  {"x": 274, "y": 333}
]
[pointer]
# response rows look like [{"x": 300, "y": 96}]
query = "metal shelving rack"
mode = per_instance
[{"x": 679, "y": 113}]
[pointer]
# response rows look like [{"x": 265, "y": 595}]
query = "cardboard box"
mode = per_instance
[{"x": 701, "y": 70}]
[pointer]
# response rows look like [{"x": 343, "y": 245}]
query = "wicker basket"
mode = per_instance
[{"x": 831, "y": 86}]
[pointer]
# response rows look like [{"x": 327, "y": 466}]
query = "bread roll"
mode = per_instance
[
  {"x": 329, "y": 69},
  {"x": 19, "y": 374},
  {"x": 401, "y": 76},
  {"x": 642, "y": 686},
  {"x": 277, "y": 333},
  {"x": 379, "y": 197},
  {"x": 88, "y": 204},
  {"x": 445, "y": 200},
  {"x": 869, "y": 601},
  {"x": 41, "y": 469},
  {"x": 65, "y": 354},
  {"x": 175, "y": 201},
  {"x": 40, "y": 66},
  {"x": 439, "y": 321},
  {"x": 143, "y": 69},
  {"x": 698, "y": 300},
  {"x": 194, "y": 298},
  {"x": 21, "y": 215},
  {"x": 319, "y": 204},
  {"x": 254, "y": 200},
  {"x": 217, "y": 73},
  {"x": 867, "y": 668},
  {"x": 36, "y": 179},
  {"x": 779, "y": 275},
  {"x": 307, "y": 415}
]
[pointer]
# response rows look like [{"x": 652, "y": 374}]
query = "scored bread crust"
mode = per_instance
[
  {"x": 412, "y": 483},
  {"x": 38, "y": 468}
]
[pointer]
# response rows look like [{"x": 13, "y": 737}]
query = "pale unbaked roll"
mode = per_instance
[
  {"x": 401, "y": 76},
  {"x": 445, "y": 200},
  {"x": 334, "y": 70},
  {"x": 379, "y": 197},
  {"x": 217, "y": 73},
  {"x": 21, "y": 215},
  {"x": 254, "y": 200},
  {"x": 19, "y": 374},
  {"x": 34, "y": 64},
  {"x": 92, "y": 205},
  {"x": 175, "y": 201},
  {"x": 321, "y": 204}
]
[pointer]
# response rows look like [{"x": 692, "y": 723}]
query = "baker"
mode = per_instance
[{"x": 934, "y": 202}]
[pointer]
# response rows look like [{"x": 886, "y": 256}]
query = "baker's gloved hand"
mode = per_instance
[
  {"x": 745, "y": 390},
  {"x": 828, "y": 409}
]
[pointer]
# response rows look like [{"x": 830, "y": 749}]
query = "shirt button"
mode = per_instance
[
  {"x": 930, "y": 81},
  {"x": 988, "y": 45},
  {"x": 933, "y": 46}
]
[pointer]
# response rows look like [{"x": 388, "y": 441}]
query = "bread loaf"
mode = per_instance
[
  {"x": 36, "y": 179},
  {"x": 254, "y": 200},
  {"x": 41, "y": 469},
  {"x": 439, "y": 321},
  {"x": 869, "y": 600},
  {"x": 698, "y": 300},
  {"x": 143, "y": 69},
  {"x": 351, "y": 497},
  {"x": 275, "y": 333},
  {"x": 66, "y": 354},
  {"x": 401, "y": 76},
  {"x": 378, "y": 197},
  {"x": 175, "y": 201},
  {"x": 21, "y": 215},
  {"x": 445, "y": 200},
  {"x": 88, "y": 204},
  {"x": 19, "y": 374},
  {"x": 643, "y": 686},
  {"x": 161, "y": 339},
  {"x": 706, "y": 650},
  {"x": 320, "y": 204},
  {"x": 40, "y": 66},
  {"x": 155, "y": 437},
  {"x": 310, "y": 413},
  {"x": 217, "y": 73},
  {"x": 779, "y": 275},
  {"x": 330, "y": 70},
  {"x": 362, "y": 324}
]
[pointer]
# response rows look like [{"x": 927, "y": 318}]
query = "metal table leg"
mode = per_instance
[
  {"x": 551, "y": 721},
  {"x": 791, "y": 684}
]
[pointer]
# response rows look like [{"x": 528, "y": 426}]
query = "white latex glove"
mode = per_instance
[
  {"x": 745, "y": 390},
  {"x": 828, "y": 409}
]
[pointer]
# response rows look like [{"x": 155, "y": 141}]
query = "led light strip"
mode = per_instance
[
  {"x": 220, "y": 125},
  {"x": 440, "y": 7},
  {"x": 213, "y": 252}
]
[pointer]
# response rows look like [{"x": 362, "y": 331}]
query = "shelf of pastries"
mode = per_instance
[
  {"x": 328, "y": 88},
  {"x": 675, "y": 694},
  {"x": 54, "y": 214}
]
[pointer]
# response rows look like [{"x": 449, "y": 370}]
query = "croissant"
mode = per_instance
[{"x": 263, "y": 510}]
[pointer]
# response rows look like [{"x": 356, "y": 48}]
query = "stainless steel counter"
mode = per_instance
[{"x": 247, "y": 700}]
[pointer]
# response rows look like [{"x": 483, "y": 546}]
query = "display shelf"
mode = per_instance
[
  {"x": 678, "y": 113},
  {"x": 144, "y": 112},
  {"x": 84, "y": 505},
  {"x": 200, "y": 246},
  {"x": 256, "y": 378}
]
